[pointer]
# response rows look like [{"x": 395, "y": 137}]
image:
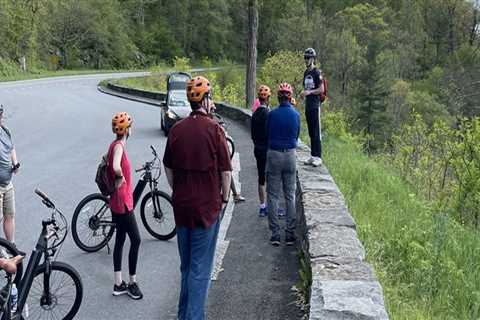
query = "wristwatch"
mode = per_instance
[{"x": 224, "y": 201}]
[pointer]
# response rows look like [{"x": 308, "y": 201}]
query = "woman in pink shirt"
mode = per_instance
[{"x": 121, "y": 204}]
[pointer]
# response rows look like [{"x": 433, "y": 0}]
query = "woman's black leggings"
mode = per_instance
[{"x": 126, "y": 224}]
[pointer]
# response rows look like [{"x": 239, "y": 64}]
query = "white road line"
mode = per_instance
[{"x": 222, "y": 242}]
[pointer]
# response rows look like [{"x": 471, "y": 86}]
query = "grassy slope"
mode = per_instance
[
  {"x": 428, "y": 265},
  {"x": 47, "y": 74}
]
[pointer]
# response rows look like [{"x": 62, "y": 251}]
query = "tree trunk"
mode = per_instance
[{"x": 252, "y": 53}]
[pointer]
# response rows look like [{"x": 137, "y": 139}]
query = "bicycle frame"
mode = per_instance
[
  {"x": 41, "y": 249},
  {"x": 140, "y": 187}
]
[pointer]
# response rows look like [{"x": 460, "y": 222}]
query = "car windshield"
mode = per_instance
[
  {"x": 178, "y": 99},
  {"x": 177, "y": 81}
]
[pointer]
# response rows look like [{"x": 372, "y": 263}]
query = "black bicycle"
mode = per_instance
[
  {"x": 230, "y": 142},
  {"x": 92, "y": 225},
  {"x": 48, "y": 290}
]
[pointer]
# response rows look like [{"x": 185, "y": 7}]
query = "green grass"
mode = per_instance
[
  {"x": 48, "y": 74},
  {"x": 428, "y": 265},
  {"x": 154, "y": 83}
]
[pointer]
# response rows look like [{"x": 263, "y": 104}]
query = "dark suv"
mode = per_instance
[{"x": 176, "y": 106}]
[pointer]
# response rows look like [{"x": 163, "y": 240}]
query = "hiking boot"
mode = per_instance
[
  {"x": 262, "y": 212},
  {"x": 134, "y": 291},
  {"x": 317, "y": 162},
  {"x": 275, "y": 240},
  {"x": 309, "y": 161},
  {"x": 290, "y": 239},
  {"x": 281, "y": 213},
  {"x": 119, "y": 290}
]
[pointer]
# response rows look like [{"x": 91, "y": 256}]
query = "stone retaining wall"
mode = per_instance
[
  {"x": 344, "y": 286},
  {"x": 136, "y": 92}
]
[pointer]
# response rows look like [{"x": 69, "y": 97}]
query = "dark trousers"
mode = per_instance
[
  {"x": 312, "y": 114},
  {"x": 126, "y": 224}
]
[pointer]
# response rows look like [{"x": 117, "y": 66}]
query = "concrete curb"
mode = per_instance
[{"x": 344, "y": 286}]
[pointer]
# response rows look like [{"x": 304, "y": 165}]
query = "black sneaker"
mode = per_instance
[
  {"x": 134, "y": 291},
  {"x": 119, "y": 290},
  {"x": 290, "y": 239},
  {"x": 275, "y": 240}
]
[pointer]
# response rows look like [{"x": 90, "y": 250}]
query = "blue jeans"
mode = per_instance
[{"x": 197, "y": 250}]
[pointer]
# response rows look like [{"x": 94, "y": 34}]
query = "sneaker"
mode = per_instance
[
  {"x": 275, "y": 240},
  {"x": 238, "y": 198},
  {"x": 262, "y": 212},
  {"x": 290, "y": 239},
  {"x": 281, "y": 213},
  {"x": 309, "y": 161},
  {"x": 317, "y": 162},
  {"x": 119, "y": 290},
  {"x": 134, "y": 291}
]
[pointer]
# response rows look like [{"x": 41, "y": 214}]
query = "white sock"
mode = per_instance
[
  {"x": 263, "y": 205},
  {"x": 118, "y": 277},
  {"x": 133, "y": 278}
]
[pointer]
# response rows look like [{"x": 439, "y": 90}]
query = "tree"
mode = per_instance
[{"x": 250, "y": 81}]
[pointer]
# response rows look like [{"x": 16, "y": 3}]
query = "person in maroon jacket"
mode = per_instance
[{"x": 198, "y": 169}]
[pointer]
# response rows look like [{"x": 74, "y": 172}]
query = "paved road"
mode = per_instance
[{"x": 60, "y": 128}]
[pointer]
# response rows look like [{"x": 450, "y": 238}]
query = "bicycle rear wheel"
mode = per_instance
[
  {"x": 92, "y": 225},
  {"x": 65, "y": 293},
  {"x": 157, "y": 215},
  {"x": 231, "y": 146},
  {"x": 8, "y": 250}
]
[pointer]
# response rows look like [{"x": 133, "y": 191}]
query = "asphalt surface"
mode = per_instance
[{"x": 61, "y": 127}]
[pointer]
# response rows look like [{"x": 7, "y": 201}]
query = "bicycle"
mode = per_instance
[
  {"x": 92, "y": 225},
  {"x": 45, "y": 288},
  {"x": 230, "y": 141}
]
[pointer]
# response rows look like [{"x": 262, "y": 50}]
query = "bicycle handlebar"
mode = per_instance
[
  {"x": 153, "y": 151},
  {"x": 45, "y": 198}
]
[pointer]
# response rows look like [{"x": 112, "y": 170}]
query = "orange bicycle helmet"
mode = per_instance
[
  {"x": 264, "y": 92},
  {"x": 197, "y": 87},
  {"x": 121, "y": 121},
  {"x": 285, "y": 90}
]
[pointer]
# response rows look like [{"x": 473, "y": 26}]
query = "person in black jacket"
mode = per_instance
[{"x": 259, "y": 137}]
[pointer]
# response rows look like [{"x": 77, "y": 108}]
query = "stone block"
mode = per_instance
[
  {"x": 335, "y": 268},
  {"x": 328, "y": 240},
  {"x": 347, "y": 300}
]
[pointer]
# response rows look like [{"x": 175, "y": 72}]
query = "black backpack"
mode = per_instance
[{"x": 105, "y": 183}]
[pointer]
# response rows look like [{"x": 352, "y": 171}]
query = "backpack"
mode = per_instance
[
  {"x": 105, "y": 183},
  {"x": 323, "y": 95}
]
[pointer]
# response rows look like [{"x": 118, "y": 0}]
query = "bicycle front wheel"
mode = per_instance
[
  {"x": 92, "y": 225},
  {"x": 157, "y": 215},
  {"x": 65, "y": 293}
]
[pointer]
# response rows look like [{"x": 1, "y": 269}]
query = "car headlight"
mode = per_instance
[{"x": 171, "y": 114}]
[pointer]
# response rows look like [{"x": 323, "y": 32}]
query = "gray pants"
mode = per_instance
[{"x": 281, "y": 174}]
